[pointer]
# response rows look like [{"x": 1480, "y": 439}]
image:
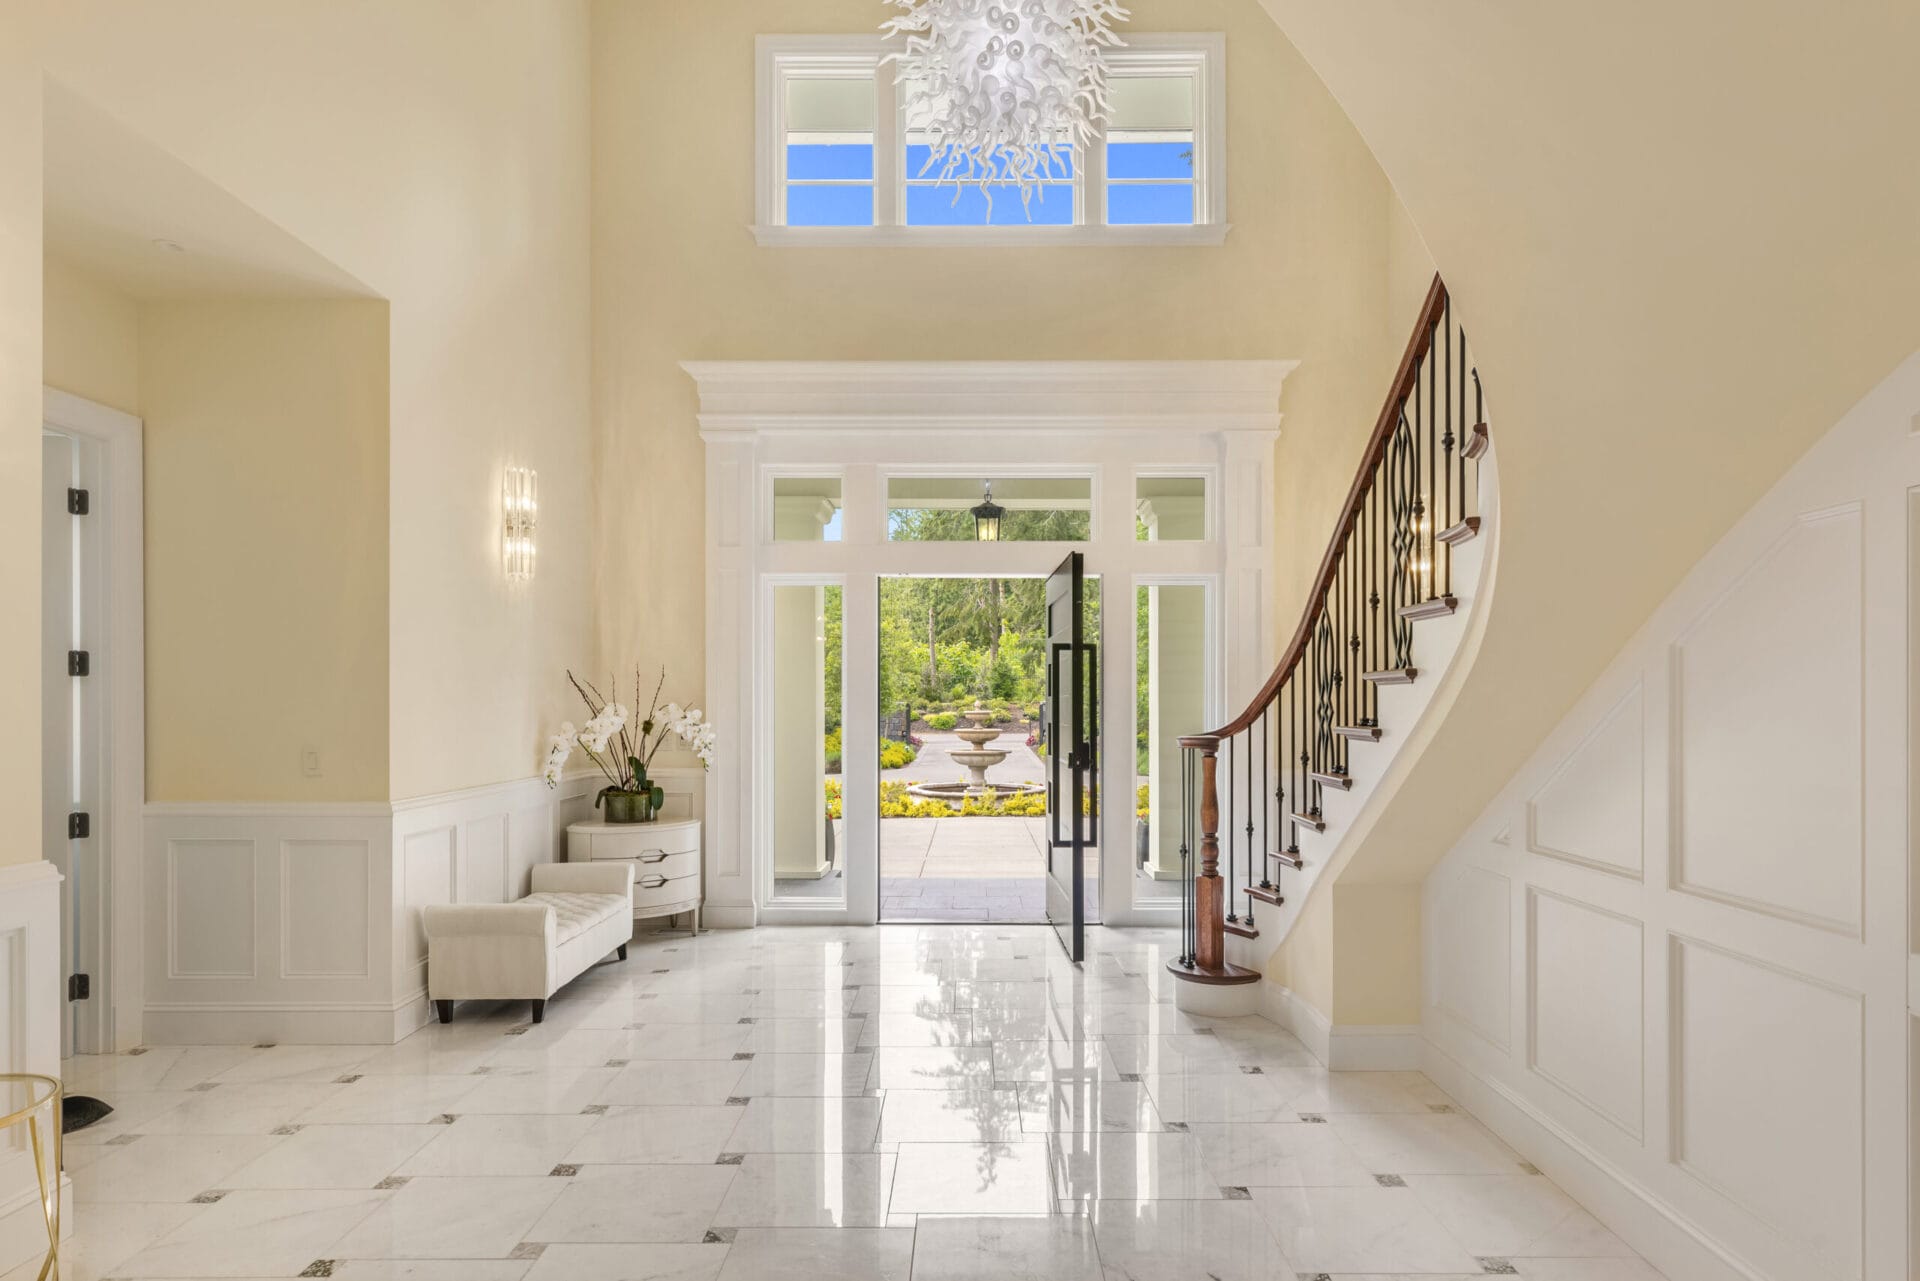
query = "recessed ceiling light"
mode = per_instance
[{"x": 171, "y": 246}]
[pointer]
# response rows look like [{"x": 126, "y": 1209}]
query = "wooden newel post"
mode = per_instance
[{"x": 1209, "y": 892}]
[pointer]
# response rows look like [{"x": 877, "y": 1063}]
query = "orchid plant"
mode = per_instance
[{"x": 622, "y": 751}]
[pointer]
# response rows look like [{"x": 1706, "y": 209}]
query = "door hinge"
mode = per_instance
[
  {"x": 79, "y": 825},
  {"x": 79, "y": 662},
  {"x": 79, "y": 987},
  {"x": 78, "y": 502}
]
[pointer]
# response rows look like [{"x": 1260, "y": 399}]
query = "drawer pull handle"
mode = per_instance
[
  {"x": 651, "y": 881},
  {"x": 653, "y": 856}
]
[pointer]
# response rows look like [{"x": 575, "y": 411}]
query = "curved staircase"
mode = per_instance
[{"x": 1314, "y": 731}]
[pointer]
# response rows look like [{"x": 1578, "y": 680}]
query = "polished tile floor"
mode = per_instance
[{"x": 935, "y": 1102}]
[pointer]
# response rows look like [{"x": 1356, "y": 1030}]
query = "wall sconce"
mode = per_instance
[{"x": 519, "y": 512}]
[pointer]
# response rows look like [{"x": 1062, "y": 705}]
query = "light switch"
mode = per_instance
[{"x": 310, "y": 761}]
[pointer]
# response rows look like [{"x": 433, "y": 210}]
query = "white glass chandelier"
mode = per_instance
[{"x": 1006, "y": 90}]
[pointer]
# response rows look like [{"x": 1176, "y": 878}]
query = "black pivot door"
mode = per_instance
[{"x": 1072, "y": 683}]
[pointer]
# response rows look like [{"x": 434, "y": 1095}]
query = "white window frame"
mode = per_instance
[{"x": 1203, "y": 55}]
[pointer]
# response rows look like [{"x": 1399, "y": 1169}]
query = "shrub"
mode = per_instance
[
  {"x": 895, "y": 754},
  {"x": 1140, "y": 806},
  {"x": 833, "y": 798},
  {"x": 942, "y": 720},
  {"x": 833, "y": 752}
]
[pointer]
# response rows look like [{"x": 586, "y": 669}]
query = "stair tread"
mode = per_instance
[
  {"x": 1392, "y": 676},
  {"x": 1434, "y": 607},
  {"x": 1290, "y": 857},
  {"x": 1477, "y": 441},
  {"x": 1224, "y": 975},
  {"x": 1341, "y": 781},
  {"x": 1463, "y": 532},
  {"x": 1368, "y": 733},
  {"x": 1313, "y": 821},
  {"x": 1265, "y": 896},
  {"x": 1240, "y": 929}
]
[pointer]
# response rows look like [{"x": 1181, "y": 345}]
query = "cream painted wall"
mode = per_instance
[
  {"x": 266, "y": 571},
  {"x": 677, "y": 276},
  {"x": 20, "y": 403},
  {"x": 436, "y": 150},
  {"x": 92, "y": 339},
  {"x": 1679, "y": 261}
]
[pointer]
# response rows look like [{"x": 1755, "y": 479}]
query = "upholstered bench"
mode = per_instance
[{"x": 527, "y": 950}]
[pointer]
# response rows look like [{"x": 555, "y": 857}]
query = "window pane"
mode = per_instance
[
  {"x": 1170, "y": 509},
  {"x": 1170, "y": 634},
  {"x": 806, "y": 509},
  {"x": 830, "y": 105},
  {"x": 803, "y": 746},
  {"x": 939, "y": 509},
  {"x": 811, "y": 206},
  {"x": 829, "y": 160},
  {"x": 1150, "y": 203},
  {"x": 1167, "y": 159},
  {"x": 920, "y": 155},
  {"x": 968, "y": 206},
  {"x": 1150, "y": 103}
]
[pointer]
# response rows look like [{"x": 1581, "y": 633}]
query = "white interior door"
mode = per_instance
[{"x": 58, "y": 727}]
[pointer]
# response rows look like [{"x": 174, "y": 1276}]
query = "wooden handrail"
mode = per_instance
[{"x": 1431, "y": 313}]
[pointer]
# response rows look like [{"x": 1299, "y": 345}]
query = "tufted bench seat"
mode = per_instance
[{"x": 527, "y": 950}]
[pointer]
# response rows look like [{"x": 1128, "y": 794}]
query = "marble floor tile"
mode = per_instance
[
  {"x": 460, "y": 1218},
  {"x": 826, "y": 1124},
  {"x": 1005, "y": 1248},
  {"x": 898, "y": 1067},
  {"x": 1110, "y": 1166},
  {"x": 334, "y": 1156},
  {"x": 654, "y": 1262},
  {"x": 943, "y": 1102},
  {"x": 628, "y": 1135},
  {"x": 1494, "y": 1214},
  {"x": 634, "y": 1203},
  {"x": 675, "y": 1083},
  {"x": 810, "y": 1254},
  {"x": 1079, "y": 1106},
  {"x": 1292, "y": 1155},
  {"x": 1186, "y": 1241},
  {"x": 808, "y": 1190},
  {"x": 951, "y": 1116},
  {"x": 249, "y": 1234},
  {"x": 555, "y": 1092},
  {"x": 804, "y": 1075},
  {"x": 1359, "y": 1230},
  {"x": 499, "y": 1146},
  {"x": 1436, "y": 1143},
  {"x": 972, "y": 1178},
  {"x": 167, "y": 1167}
]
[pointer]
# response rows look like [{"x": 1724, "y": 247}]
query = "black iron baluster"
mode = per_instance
[
  {"x": 1253, "y": 803},
  {"x": 1279, "y": 789},
  {"x": 1226, "y": 788}
]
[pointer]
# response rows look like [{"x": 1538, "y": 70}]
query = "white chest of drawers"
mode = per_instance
[{"x": 665, "y": 857}]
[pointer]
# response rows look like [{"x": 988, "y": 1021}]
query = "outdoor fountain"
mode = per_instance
[
  {"x": 980, "y": 758},
  {"x": 977, "y": 758}
]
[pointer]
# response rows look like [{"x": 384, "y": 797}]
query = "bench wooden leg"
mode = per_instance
[
  {"x": 621, "y": 951},
  {"x": 445, "y": 1010},
  {"x": 539, "y": 1011}
]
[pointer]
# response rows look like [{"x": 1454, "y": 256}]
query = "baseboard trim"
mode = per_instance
[
  {"x": 1632, "y": 1211},
  {"x": 1352, "y": 1047},
  {"x": 729, "y": 916}
]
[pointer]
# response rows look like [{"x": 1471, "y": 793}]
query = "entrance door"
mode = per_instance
[{"x": 1072, "y": 724}]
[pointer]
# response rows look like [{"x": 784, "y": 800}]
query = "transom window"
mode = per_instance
[{"x": 843, "y": 160}]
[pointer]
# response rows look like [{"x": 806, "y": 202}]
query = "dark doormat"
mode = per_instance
[{"x": 78, "y": 1111}]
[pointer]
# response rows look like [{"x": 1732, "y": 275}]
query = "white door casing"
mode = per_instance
[{"x": 1111, "y": 422}]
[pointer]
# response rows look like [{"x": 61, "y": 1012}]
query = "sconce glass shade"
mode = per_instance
[
  {"x": 986, "y": 518},
  {"x": 520, "y": 511}
]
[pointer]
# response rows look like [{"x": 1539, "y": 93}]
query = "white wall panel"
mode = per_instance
[
  {"x": 1476, "y": 940},
  {"x": 1767, "y": 1105},
  {"x": 1767, "y": 686},
  {"x": 483, "y": 860},
  {"x": 427, "y": 869},
  {"x": 1584, "y": 1004},
  {"x": 1712, "y": 1040},
  {"x": 210, "y": 908},
  {"x": 1591, "y": 810},
  {"x": 325, "y": 926}
]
